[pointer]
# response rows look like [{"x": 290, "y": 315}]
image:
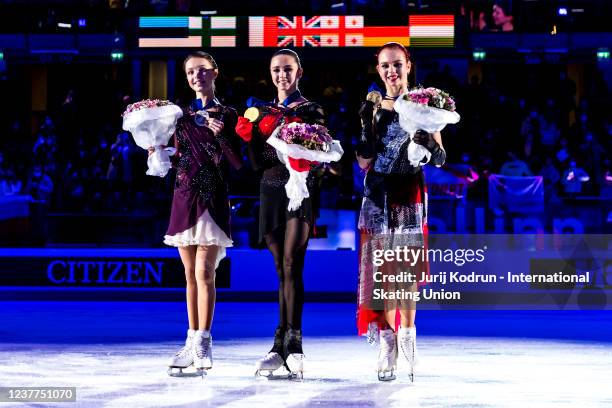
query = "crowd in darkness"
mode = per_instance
[{"x": 528, "y": 126}]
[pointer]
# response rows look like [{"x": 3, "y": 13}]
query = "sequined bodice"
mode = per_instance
[
  {"x": 200, "y": 154},
  {"x": 392, "y": 145}
]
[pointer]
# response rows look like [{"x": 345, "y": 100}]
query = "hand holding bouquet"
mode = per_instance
[
  {"x": 152, "y": 122},
  {"x": 428, "y": 109},
  {"x": 298, "y": 146}
]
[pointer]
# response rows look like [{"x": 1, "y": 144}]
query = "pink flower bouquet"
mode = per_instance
[
  {"x": 429, "y": 109},
  {"x": 152, "y": 122},
  {"x": 298, "y": 146}
]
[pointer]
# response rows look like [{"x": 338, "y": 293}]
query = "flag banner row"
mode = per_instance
[{"x": 294, "y": 31}]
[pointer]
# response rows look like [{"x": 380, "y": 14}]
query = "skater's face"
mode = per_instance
[
  {"x": 200, "y": 74},
  {"x": 499, "y": 15},
  {"x": 285, "y": 72},
  {"x": 393, "y": 67}
]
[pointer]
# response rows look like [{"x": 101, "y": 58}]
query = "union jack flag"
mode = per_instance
[{"x": 300, "y": 31}]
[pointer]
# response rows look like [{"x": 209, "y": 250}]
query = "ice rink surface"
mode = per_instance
[{"x": 115, "y": 354}]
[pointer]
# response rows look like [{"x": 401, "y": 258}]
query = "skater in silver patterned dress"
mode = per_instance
[{"x": 393, "y": 212}]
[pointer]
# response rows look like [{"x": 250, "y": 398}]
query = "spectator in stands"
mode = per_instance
[
  {"x": 592, "y": 154},
  {"x": 573, "y": 178},
  {"x": 39, "y": 184},
  {"x": 515, "y": 167},
  {"x": 9, "y": 183},
  {"x": 551, "y": 177},
  {"x": 563, "y": 152},
  {"x": 45, "y": 148}
]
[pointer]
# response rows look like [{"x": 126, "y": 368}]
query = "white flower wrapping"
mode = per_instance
[
  {"x": 296, "y": 187},
  {"x": 414, "y": 116},
  {"x": 153, "y": 127}
]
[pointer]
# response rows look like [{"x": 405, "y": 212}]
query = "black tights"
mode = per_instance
[{"x": 288, "y": 247}]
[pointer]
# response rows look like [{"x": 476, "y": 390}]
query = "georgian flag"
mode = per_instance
[{"x": 341, "y": 31}]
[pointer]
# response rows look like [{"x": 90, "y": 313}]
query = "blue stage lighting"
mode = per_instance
[
  {"x": 562, "y": 11},
  {"x": 82, "y": 22}
]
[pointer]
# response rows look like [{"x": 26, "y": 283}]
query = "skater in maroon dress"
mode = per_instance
[{"x": 200, "y": 216}]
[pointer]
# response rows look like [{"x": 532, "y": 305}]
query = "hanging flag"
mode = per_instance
[
  {"x": 299, "y": 31},
  {"x": 218, "y": 31},
  {"x": 208, "y": 31},
  {"x": 341, "y": 31},
  {"x": 294, "y": 31},
  {"x": 516, "y": 194},
  {"x": 432, "y": 31}
]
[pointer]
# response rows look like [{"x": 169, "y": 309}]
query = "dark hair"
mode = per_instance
[
  {"x": 291, "y": 53},
  {"x": 200, "y": 54},
  {"x": 505, "y": 5},
  {"x": 391, "y": 46}
]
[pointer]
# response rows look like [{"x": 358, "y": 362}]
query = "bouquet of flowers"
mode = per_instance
[
  {"x": 429, "y": 109},
  {"x": 152, "y": 123},
  {"x": 300, "y": 145}
]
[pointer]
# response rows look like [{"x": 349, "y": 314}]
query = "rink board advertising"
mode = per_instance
[{"x": 69, "y": 271}]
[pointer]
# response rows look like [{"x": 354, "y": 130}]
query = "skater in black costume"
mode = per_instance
[{"x": 284, "y": 232}]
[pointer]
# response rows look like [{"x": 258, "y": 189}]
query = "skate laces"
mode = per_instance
[
  {"x": 186, "y": 349},
  {"x": 271, "y": 356},
  {"x": 408, "y": 346},
  {"x": 202, "y": 347},
  {"x": 387, "y": 345},
  {"x": 373, "y": 334}
]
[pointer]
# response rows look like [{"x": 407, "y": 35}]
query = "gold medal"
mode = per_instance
[{"x": 252, "y": 114}]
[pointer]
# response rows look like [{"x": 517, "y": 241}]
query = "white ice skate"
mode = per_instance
[
  {"x": 183, "y": 358},
  {"x": 295, "y": 356},
  {"x": 406, "y": 339},
  {"x": 202, "y": 351},
  {"x": 387, "y": 356},
  {"x": 272, "y": 367},
  {"x": 295, "y": 363}
]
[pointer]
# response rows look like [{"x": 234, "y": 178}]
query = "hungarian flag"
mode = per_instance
[{"x": 432, "y": 31}]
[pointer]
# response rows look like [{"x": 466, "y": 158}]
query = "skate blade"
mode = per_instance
[
  {"x": 386, "y": 376},
  {"x": 202, "y": 372},
  {"x": 280, "y": 373},
  {"x": 296, "y": 367},
  {"x": 180, "y": 372}
]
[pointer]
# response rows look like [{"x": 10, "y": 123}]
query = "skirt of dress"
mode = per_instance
[
  {"x": 393, "y": 217},
  {"x": 273, "y": 211},
  {"x": 206, "y": 232}
]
